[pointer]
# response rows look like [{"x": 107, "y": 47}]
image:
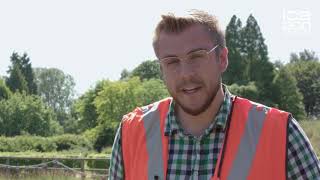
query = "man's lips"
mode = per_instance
[{"x": 190, "y": 90}]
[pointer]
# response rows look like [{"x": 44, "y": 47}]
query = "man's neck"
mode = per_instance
[{"x": 196, "y": 125}]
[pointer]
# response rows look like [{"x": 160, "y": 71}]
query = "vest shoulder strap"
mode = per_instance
[{"x": 144, "y": 143}]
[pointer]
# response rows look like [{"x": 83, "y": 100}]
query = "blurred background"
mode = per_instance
[{"x": 69, "y": 70}]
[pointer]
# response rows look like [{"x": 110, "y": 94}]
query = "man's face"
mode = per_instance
[{"x": 192, "y": 87}]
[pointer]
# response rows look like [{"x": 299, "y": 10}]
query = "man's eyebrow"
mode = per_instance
[
  {"x": 191, "y": 51},
  {"x": 194, "y": 50},
  {"x": 169, "y": 55}
]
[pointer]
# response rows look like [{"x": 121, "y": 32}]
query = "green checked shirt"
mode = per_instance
[{"x": 195, "y": 158}]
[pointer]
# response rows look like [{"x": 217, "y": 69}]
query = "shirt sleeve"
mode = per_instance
[
  {"x": 116, "y": 171},
  {"x": 302, "y": 162}
]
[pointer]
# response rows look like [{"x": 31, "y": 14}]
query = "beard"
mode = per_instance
[{"x": 204, "y": 106}]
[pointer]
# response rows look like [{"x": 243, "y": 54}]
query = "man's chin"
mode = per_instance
[
  {"x": 192, "y": 110},
  {"x": 194, "y": 106}
]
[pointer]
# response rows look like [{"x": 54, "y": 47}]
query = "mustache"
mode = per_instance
[{"x": 189, "y": 82}]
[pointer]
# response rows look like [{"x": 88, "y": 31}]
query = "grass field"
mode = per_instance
[{"x": 312, "y": 129}]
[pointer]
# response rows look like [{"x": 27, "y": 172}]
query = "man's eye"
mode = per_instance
[
  {"x": 195, "y": 56},
  {"x": 172, "y": 61}
]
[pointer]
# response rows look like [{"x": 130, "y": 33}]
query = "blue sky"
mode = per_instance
[{"x": 94, "y": 40}]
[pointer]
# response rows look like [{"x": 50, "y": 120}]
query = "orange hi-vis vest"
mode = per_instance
[{"x": 254, "y": 144}]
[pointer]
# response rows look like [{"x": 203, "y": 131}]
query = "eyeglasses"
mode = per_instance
[{"x": 194, "y": 59}]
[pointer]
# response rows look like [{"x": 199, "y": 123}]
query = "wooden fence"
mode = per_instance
[{"x": 83, "y": 170}]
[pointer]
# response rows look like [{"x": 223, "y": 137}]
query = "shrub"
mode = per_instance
[
  {"x": 68, "y": 142},
  {"x": 102, "y": 135},
  {"x": 44, "y": 144}
]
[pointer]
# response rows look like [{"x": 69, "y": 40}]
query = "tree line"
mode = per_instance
[{"x": 41, "y": 101}]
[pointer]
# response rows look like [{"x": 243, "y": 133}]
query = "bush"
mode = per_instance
[
  {"x": 249, "y": 91},
  {"x": 26, "y": 143},
  {"x": 102, "y": 135},
  {"x": 68, "y": 142},
  {"x": 44, "y": 144}
]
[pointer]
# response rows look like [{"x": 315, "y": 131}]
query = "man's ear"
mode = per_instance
[{"x": 223, "y": 57}]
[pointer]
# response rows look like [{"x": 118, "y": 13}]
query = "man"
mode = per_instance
[{"x": 203, "y": 131}]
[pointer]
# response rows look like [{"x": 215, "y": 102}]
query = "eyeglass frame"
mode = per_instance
[{"x": 180, "y": 58}]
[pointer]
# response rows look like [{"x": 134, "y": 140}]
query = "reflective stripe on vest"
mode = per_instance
[
  {"x": 143, "y": 142},
  {"x": 255, "y": 147},
  {"x": 248, "y": 144},
  {"x": 151, "y": 121}
]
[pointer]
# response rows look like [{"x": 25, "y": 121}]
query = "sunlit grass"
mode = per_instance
[{"x": 312, "y": 129}]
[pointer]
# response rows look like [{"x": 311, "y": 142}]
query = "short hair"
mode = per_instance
[{"x": 170, "y": 23}]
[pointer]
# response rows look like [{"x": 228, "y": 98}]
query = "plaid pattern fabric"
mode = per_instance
[
  {"x": 195, "y": 157},
  {"x": 116, "y": 170},
  {"x": 302, "y": 161}
]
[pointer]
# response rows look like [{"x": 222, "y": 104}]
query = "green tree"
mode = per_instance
[
  {"x": 149, "y": 69},
  {"x": 85, "y": 109},
  {"x": 23, "y": 113},
  {"x": 249, "y": 91},
  {"x": 5, "y": 92},
  {"x": 248, "y": 59},
  {"x": 305, "y": 55},
  {"x": 260, "y": 69},
  {"x": 237, "y": 69},
  {"x": 57, "y": 90},
  {"x": 120, "y": 97},
  {"x": 124, "y": 74},
  {"x": 151, "y": 91},
  {"x": 113, "y": 101},
  {"x": 278, "y": 64},
  {"x": 16, "y": 81},
  {"x": 117, "y": 99},
  {"x": 20, "y": 71},
  {"x": 256, "y": 53},
  {"x": 307, "y": 74},
  {"x": 287, "y": 94}
]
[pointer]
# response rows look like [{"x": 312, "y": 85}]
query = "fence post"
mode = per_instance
[
  {"x": 8, "y": 163},
  {"x": 82, "y": 169},
  {"x": 45, "y": 166}
]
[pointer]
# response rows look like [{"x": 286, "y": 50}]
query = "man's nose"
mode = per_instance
[{"x": 186, "y": 71}]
